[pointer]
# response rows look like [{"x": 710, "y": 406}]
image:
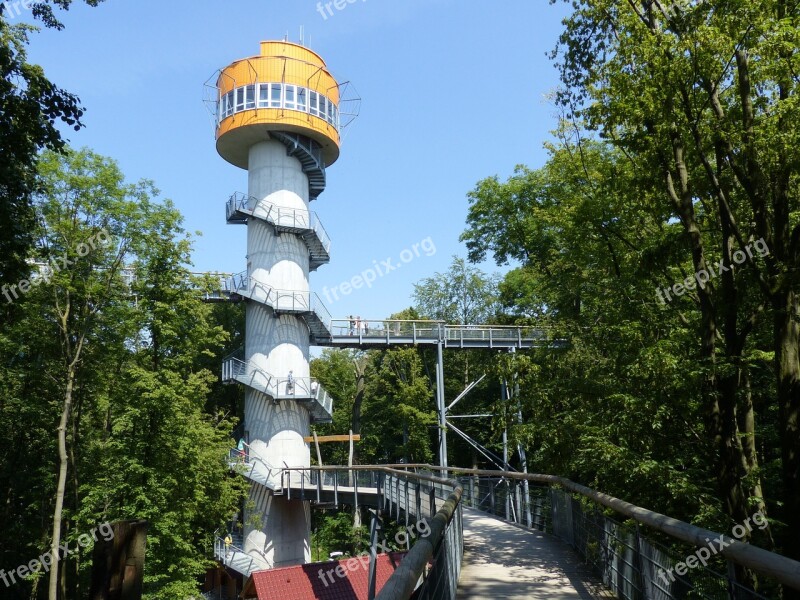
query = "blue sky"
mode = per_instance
[{"x": 452, "y": 91}]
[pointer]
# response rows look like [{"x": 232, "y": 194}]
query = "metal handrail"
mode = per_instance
[
  {"x": 321, "y": 311},
  {"x": 279, "y": 216},
  {"x": 411, "y": 569},
  {"x": 434, "y": 330},
  {"x": 279, "y": 388},
  {"x": 388, "y": 328},
  {"x": 298, "y": 301},
  {"x": 238, "y": 458},
  {"x": 236, "y": 369},
  {"x": 400, "y": 586},
  {"x": 221, "y": 551}
]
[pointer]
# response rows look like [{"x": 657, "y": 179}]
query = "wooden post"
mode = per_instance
[
  {"x": 350, "y": 459},
  {"x": 316, "y": 443},
  {"x": 118, "y": 562}
]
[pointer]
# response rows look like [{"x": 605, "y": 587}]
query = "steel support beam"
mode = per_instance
[{"x": 440, "y": 405}]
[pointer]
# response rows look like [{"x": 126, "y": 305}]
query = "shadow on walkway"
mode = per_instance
[{"x": 503, "y": 560}]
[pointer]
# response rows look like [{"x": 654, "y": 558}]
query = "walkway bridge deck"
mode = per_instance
[
  {"x": 349, "y": 333},
  {"x": 505, "y": 560}
]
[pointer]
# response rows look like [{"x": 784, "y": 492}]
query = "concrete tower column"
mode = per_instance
[{"x": 277, "y": 344}]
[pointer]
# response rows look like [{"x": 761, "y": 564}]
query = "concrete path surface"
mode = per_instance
[{"x": 503, "y": 560}]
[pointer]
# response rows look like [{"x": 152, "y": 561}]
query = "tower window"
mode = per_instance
[
  {"x": 275, "y": 95},
  {"x": 263, "y": 95},
  {"x": 290, "y": 89},
  {"x": 221, "y": 108},
  {"x": 251, "y": 96}
]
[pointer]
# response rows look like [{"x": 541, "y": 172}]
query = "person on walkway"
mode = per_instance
[
  {"x": 352, "y": 326},
  {"x": 241, "y": 450},
  {"x": 358, "y": 324},
  {"x": 228, "y": 543},
  {"x": 290, "y": 383}
]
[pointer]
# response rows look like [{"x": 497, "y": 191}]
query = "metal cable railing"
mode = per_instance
[
  {"x": 289, "y": 301},
  {"x": 629, "y": 562},
  {"x": 433, "y": 332},
  {"x": 233, "y": 556}
]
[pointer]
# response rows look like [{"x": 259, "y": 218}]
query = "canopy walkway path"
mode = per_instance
[{"x": 503, "y": 534}]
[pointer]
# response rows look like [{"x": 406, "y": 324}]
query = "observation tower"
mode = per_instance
[{"x": 278, "y": 118}]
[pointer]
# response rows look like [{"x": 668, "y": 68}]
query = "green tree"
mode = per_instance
[
  {"x": 30, "y": 107},
  {"x": 621, "y": 408},
  {"x": 702, "y": 98},
  {"x": 463, "y": 295},
  {"x": 341, "y": 374},
  {"x": 116, "y": 357}
]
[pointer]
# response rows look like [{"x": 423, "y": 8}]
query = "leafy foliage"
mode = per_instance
[{"x": 140, "y": 442}]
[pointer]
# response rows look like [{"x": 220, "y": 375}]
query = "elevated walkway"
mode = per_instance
[
  {"x": 347, "y": 333},
  {"x": 256, "y": 470},
  {"x": 559, "y": 539},
  {"x": 333, "y": 488},
  {"x": 503, "y": 560},
  {"x": 232, "y": 556}
]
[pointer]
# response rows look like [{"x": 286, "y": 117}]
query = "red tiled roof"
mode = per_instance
[{"x": 320, "y": 581}]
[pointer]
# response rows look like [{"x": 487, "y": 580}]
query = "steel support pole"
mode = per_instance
[
  {"x": 505, "y": 468},
  {"x": 504, "y": 390},
  {"x": 375, "y": 527},
  {"x": 523, "y": 458},
  {"x": 441, "y": 406}
]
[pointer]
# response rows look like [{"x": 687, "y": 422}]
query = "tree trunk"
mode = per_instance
[
  {"x": 747, "y": 429},
  {"x": 787, "y": 360},
  {"x": 355, "y": 423},
  {"x": 62, "y": 484}
]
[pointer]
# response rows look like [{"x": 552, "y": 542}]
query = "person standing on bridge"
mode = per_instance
[
  {"x": 228, "y": 543},
  {"x": 352, "y": 326}
]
